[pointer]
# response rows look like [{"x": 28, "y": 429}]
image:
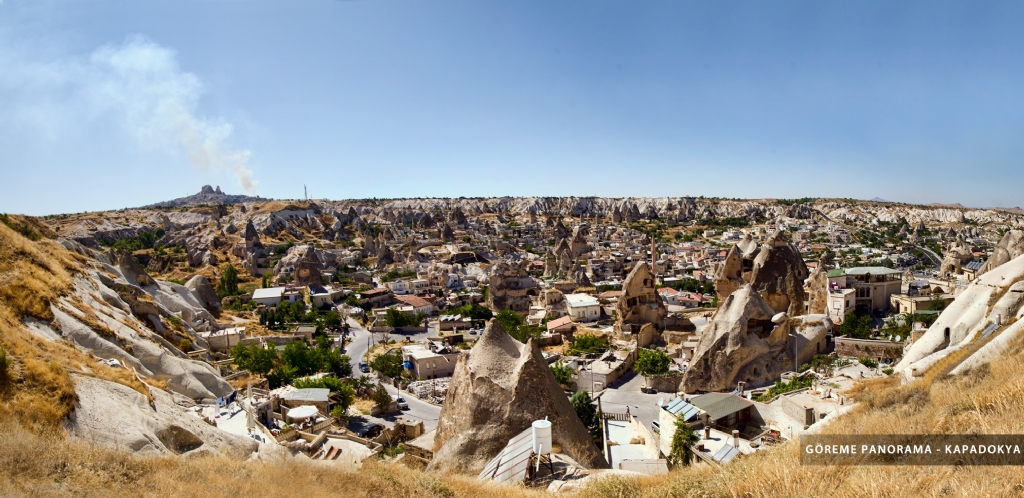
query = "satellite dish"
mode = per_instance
[
  {"x": 897, "y": 338},
  {"x": 661, "y": 402}
]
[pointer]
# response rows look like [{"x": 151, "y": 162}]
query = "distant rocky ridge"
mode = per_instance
[{"x": 207, "y": 195}]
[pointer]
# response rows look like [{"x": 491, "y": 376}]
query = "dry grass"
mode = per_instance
[
  {"x": 50, "y": 465},
  {"x": 988, "y": 400},
  {"x": 34, "y": 275}
]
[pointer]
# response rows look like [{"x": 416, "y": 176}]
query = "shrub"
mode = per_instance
[
  {"x": 5, "y": 363},
  {"x": 562, "y": 373},
  {"x": 868, "y": 362},
  {"x": 682, "y": 443},
  {"x": 185, "y": 345}
]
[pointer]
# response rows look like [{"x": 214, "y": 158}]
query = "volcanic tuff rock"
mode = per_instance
[
  {"x": 500, "y": 387},
  {"x": 958, "y": 255},
  {"x": 206, "y": 195},
  {"x": 1009, "y": 247},
  {"x": 640, "y": 302},
  {"x": 778, "y": 275},
  {"x": 817, "y": 291},
  {"x": 205, "y": 292},
  {"x": 511, "y": 288},
  {"x": 995, "y": 297},
  {"x": 119, "y": 416},
  {"x": 748, "y": 341}
]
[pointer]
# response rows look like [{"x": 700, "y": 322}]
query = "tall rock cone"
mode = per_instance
[{"x": 498, "y": 390}]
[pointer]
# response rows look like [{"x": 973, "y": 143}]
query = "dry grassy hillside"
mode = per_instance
[{"x": 39, "y": 460}]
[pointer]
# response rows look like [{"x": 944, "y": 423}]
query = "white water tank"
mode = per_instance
[{"x": 542, "y": 437}]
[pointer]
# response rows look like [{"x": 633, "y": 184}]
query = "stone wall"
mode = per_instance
[
  {"x": 665, "y": 383},
  {"x": 797, "y": 411},
  {"x": 869, "y": 348}
]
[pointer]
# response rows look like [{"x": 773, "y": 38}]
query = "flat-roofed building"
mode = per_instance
[{"x": 583, "y": 307}]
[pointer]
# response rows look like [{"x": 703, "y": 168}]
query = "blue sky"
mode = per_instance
[{"x": 110, "y": 104}]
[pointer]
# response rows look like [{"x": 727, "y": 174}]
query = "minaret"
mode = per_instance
[{"x": 654, "y": 258}]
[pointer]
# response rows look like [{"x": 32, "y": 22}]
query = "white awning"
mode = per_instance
[{"x": 304, "y": 411}]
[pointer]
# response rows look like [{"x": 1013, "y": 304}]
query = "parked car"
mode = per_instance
[
  {"x": 472, "y": 331},
  {"x": 363, "y": 367},
  {"x": 648, "y": 390},
  {"x": 402, "y": 404},
  {"x": 656, "y": 426},
  {"x": 370, "y": 431}
]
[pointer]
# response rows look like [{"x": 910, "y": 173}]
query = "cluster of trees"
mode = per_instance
[
  {"x": 388, "y": 364},
  {"x": 516, "y": 326},
  {"x": 563, "y": 374},
  {"x": 692, "y": 285},
  {"x": 296, "y": 360},
  {"x": 396, "y": 318},
  {"x": 145, "y": 240},
  {"x": 343, "y": 389},
  {"x": 795, "y": 384},
  {"x": 856, "y": 325},
  {"x": 588, "y": 344},
  {"x": 228, "y": 283},
  {"x": 472, "y": 311},
  {"x": 396, "y": 274},
  {"x": 583, "y": 405},
  {"x": 276, "y": 318}
]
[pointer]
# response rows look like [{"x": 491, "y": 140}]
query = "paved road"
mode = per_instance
[
  {"x": 626, "y": 393},
  {"x": 935, "y": 257},
  {"x": 421, "y": 410},
  {"x": 358, "y": 346}
]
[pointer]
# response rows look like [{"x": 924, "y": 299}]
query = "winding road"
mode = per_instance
[{"x": 420, "y": 410}]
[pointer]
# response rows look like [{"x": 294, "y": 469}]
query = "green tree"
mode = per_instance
[
  {"x": 588, "y": 344},
  {"x": 473, "y": 312},
  {"x": 651, "y": 363},
  {"x": 396, "y": 318},
  {"x": 388, "y": 365},
  {"x": 682, "y": 443},
  {"x": 516, "y": 326},
  {"x": 562, "y": 373},
  {"x": 265, "y": 281},
  {"x": 584, "y": 407},
  {"x": 254, "y": 358},
  {"x": 380, "y": 396},
  {"x": 298, "y": 355},
  {"x": 936, "y": 303},
  {"x": 228, "y": 285},
  {"x": 856, "y": 326}
]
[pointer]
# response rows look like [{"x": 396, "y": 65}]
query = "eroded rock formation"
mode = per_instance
[
  {"x": 639, "y": 302},
  {"x": 511, "y": 288},
  {"x": 748, "y": 341},
  {"x": 498, "y": 390},
  {"x": 778, "y": 275},
  {"x": 1009, "y": 247}
]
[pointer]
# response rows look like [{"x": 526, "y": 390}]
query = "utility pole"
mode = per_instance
[
  {"x": 796, "y": 369},
  {"x": 305, "y": 192}
]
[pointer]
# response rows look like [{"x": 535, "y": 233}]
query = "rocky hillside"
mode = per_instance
[
  {"x": 206, "y": 196},
  {"x": 73, "y": 420}
]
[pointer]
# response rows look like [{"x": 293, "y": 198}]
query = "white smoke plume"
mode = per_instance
[{"x": 139, "y": 85}]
